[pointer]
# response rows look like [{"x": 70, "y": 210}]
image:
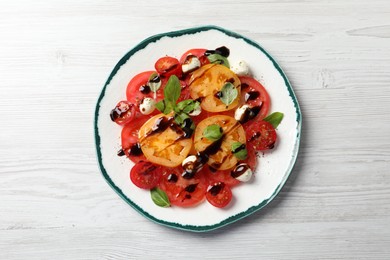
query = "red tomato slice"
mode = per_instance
[
  {"x": 251, "y": 159},
  {"x": 136, "y": 90},
  {"x": 180, "y": 191},
  {"x": 129, "y": 139},
  {"x": 219, "y": 176},
  {"x": 219, "y": 195},
  {"x": 145, "y": 175},
  {"x": 167, "y": 66},
  {"x": 123, "y": 112},
  {"x": 254, "y": 94},
  {"x": 261, "y": 135}
]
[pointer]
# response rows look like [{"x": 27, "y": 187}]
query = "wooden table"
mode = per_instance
[{"x": 54, "y": 59}]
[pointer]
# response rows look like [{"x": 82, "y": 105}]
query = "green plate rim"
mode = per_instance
[{"x": 230, "y": 219}]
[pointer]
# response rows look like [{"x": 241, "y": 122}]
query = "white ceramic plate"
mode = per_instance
[{"x": 274, "y": 167}]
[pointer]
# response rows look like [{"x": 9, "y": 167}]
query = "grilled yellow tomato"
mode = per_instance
[
  {"x": 207, "y": 82},
  {"x": 162, "y": 141},
  {"x": 219, "y": 151}
]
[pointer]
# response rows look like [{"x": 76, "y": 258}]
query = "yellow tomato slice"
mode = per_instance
[
  {"x": 162, "y": 141},
  {"x": 207, "y": 81},
  {"x": 223, "y": 159}
]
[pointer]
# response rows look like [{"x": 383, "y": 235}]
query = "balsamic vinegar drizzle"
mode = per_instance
[
  {"x": 239, "y": 170},
  {"x": 216, "y": 188},
  {"x": 251, "y": 95},
  {"x": 145, "y": 89}
]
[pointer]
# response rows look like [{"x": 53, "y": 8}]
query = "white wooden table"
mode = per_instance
[{"x": 54, "y": 59}]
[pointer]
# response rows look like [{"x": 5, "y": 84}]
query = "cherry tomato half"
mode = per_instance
[
  {"x": 254, "y": 94},
  {"x": 123, "y": 112},
  {"x": 219, "y": 195},
  {"x": 261, "y": 135},
  {"x": 180, "y": 191},
  {"x": 145, "y": 175},
  {"x": 129, "y": 139},
  {"x": 167, "y": 66}
]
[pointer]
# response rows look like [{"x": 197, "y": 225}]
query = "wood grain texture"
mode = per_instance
[{"x": 54, "y": 59}]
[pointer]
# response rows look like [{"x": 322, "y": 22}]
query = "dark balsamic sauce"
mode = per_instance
[
  {"x": 163, "y": 123},
  {"x": 160, "y": 125},
  {"x": 216, "y": 188},
  {"x": 213, "y": 148},
  {"x": 191, "y": 188},
  {"x": 218, "y": 95},
  {"x": 241, "y": 147},
  {"x": 251, "y": 95},
  {"x": 187, "y": 128},
  {"x": 244, "y": 86},
  {"x": 135, "y": 150},
  {"x": 145, "y": 89},
  {"x": 121, "y": 152},
  {"x": 188, "y": 174},
  {"x": 172, "y": 178},
  {"x": 212, "y": 169},
  {"x": 223, "y": 51},
  {"x": 155, "y": 79},
  {"x": 239, "y": 170},
  {"x": 250, "y": 113},
  {"x": 199, "y": 99}
]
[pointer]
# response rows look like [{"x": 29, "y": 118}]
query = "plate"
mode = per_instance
[{"x": 274, "y": 166}]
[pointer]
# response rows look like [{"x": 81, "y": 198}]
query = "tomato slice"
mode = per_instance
[
  {"x": 180, "y": 191},
  {"x": 167, "y": 66},
  {"x": 123, "y": 112},
  {"x": 261, "y": 135},
  {"x": 137, "y": 88},
  {"x": 219, "y": 195},
  {"x": 145, "y": 175},
  {"x": 215, "y": 176},
  {"x": 251, "y": 159},
  {"x": 254, "y": 95},
  {"x": 129, "y": 139}
]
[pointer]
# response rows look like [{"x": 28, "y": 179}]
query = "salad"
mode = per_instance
[{"x": 193, "y": 127}]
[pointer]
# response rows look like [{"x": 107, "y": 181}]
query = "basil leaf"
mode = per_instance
[
  {"x": 228, "y": 93},
  {"x": 180, "y": 117},
  {"x": 159, "y": 197},
  {"x": 218, "y": 59},
  {"x": 213, "y": 132},
  {"x": 164, "y": 107},
  {"x": 160, "y": 105},
  {"x": 172, "y": 90},
  {"x": 239, "y": 150},
  {"x": 154, "y": 82},
  {"x": 274, "y": 119},
  {"x": 188, "y": 105}
]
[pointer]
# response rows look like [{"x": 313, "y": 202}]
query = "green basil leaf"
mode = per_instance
[
  {"x": 228, "y": 93},
  {"x": 160, "y": 105},
  {"x": 180, "y": 117},
  {"x": 239, "y": 150},
  {"x": 218, "y": 59},
  {"x": 274, "y": 119},
  {"x": 164, "y": 107},
  {"x": 159, "y": 197},
  {"x": 188, "y": 105},
  {"x": 172, "y": 90},
  {"x": 213, "y": 132},
  {"x": 154, "y": 82}
]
